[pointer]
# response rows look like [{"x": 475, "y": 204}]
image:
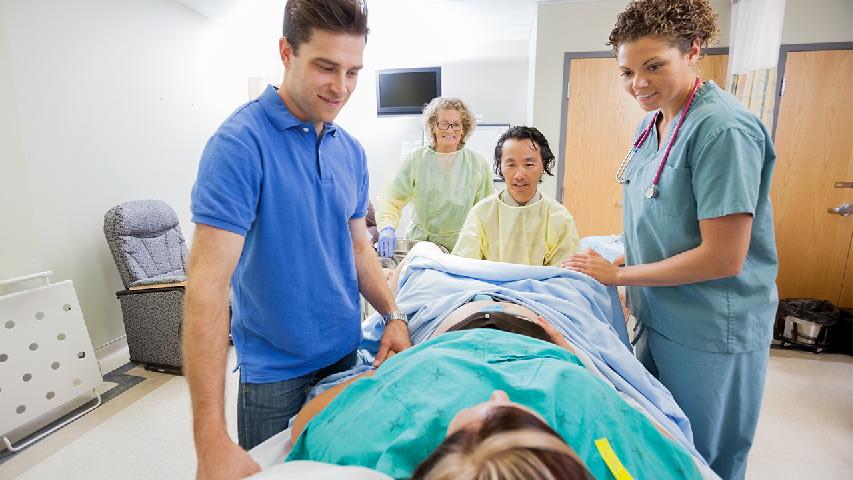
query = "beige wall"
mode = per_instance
[
  {"x": 818, "y": 21},
  {"x": 585, "y": 26}
]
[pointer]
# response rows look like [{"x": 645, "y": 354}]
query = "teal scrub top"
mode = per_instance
[
  {"x": 394, "y": 420},
  {"x": 721, "y": 164}
]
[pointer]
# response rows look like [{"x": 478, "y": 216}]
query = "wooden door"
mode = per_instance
[
  {"x": 846, "y": 299},
  {"x": 600, "y": 125},
  {"x": 601, "y": 122},
  {"x": 713, "y": 67},
  {"x": 814, "y": 144}
]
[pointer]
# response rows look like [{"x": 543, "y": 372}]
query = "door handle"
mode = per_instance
[{"x": 844, "y": 209}]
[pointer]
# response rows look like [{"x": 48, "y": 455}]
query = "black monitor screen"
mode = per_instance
[{"x": 405, "y": 91}]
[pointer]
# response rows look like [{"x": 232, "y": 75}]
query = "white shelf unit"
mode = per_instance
[{"x": 46, "y": 355}]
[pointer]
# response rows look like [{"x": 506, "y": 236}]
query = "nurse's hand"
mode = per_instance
[
  {"x": 395, "y": 339},
  {"x": 594, "y": 265}
]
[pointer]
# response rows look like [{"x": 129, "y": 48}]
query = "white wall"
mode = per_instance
[
  {"x": 496, "y": 91},
  {"x": 490, "y": 75},
  {"x": 576, "y": 27},
  {"x": 17, "y": 235},
  {"x": 585, "y": 26},
  {"x": 102, "y": 102},
  {"x": 105, "y": 101}
]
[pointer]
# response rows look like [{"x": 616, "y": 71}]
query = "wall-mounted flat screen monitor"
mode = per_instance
[{"x": 403, "y": 91}]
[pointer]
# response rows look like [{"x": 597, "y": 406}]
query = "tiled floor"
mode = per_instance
[{"x": 805, "y": 429}]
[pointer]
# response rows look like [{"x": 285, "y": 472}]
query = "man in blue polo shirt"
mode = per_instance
[{"x": 279, "y": 204}]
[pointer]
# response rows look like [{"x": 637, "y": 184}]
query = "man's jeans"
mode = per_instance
[{"x": 264, "y": 409}]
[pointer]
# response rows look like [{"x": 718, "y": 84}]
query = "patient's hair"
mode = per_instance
[
  {"x": 510, "y": 444},
  {"x": 301, "y": 17},
  {"x": 529, "y": 133}
]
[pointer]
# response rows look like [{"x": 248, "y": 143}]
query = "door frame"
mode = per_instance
[
  {"x": 564, "y": 109},
  {"x": 783, "y": 58}
]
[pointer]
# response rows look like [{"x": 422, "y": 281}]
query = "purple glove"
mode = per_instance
[{"x": 387, "y": 242}]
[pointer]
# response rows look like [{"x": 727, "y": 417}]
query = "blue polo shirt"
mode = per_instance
[{"x": 265, "y": 175}]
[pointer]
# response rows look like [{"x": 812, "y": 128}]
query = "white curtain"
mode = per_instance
[{"x": 754, "y": 52}]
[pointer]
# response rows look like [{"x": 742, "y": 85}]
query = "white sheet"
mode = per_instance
[
  {"x": 270, "y": 456},
  {"x": 273, "y": 450}
]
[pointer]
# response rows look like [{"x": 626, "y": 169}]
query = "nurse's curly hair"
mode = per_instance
[
  {"x": 520, "y": 132},
  {"x": 678, "y": 21},
  {"x": 436, "y": 105}
]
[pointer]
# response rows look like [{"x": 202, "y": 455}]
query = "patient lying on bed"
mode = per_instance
[
  {"x": 447, "y": 403},
  {"x": 583, "y": 380}
]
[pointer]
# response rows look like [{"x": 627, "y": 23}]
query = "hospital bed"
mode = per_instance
[
  {"x": 587, "y": 313},
  {"x": 608, "y": 246}
]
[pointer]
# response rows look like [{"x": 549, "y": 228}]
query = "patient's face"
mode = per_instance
[
  {"x": 476, "y": 414},
  {"x": 521, "y": 167}
]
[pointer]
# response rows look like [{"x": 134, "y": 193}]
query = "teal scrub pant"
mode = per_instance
[{"x": 719, "y": 392}]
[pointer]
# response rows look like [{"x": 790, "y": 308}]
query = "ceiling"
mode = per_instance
[
  {"x": 448, "y": 30},
  {"x": 496, "y": 20}
]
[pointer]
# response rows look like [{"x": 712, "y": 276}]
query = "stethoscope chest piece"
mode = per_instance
[{"x": 652, "y": 191}]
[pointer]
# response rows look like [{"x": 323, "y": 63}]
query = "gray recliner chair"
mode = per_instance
[{"x": 150, "y": 252}]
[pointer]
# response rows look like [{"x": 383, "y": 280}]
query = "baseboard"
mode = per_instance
[{"x": 112, "y": 355}]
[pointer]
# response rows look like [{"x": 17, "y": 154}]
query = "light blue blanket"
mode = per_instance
[{"x": 587, "y": 313}]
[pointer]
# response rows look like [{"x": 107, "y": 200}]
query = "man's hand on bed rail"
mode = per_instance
[
  {"x": 222, "y": 458},
  {"x": 593, "y": 264},
  {"x": 395, "y": 339}
]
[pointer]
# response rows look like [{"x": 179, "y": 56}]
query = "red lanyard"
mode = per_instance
[{"x": 652, "y": 191}]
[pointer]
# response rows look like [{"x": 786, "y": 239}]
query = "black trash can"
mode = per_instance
[
  {"x": 841, "y": 335},
  {"x": 805, "y": 322}
]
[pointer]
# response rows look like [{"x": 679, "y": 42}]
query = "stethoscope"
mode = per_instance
[{"x": 652, "y": 191}]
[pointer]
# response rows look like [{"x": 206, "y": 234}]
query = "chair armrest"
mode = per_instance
[{"x": 158, "y": 285}]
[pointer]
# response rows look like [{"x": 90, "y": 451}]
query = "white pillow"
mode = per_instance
[{"x": 318, "y": 471}]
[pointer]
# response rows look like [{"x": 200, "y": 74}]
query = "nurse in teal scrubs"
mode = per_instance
[{"x": 700, "y": 258}]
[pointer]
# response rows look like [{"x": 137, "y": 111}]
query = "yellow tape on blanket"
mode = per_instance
[{"x": 612, "y": 461}]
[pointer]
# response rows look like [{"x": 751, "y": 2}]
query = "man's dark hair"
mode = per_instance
[
  {"x": 521, "y": 132},
  {"x": 301, "y": 17}
]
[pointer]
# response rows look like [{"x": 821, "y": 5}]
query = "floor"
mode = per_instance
[{"x": 805, "y": 429}]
